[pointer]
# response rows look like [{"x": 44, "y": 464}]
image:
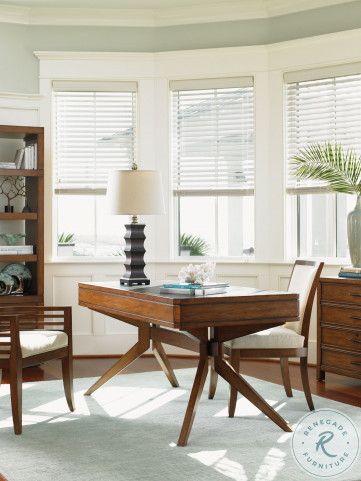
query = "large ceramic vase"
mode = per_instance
[{"x": 354, "y": 233}]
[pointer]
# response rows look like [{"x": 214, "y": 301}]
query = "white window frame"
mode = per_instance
[
  {"x": 323, "y": 72},
  {"x": 82, "y": 85},
  {"x": 194, "y": 84}
]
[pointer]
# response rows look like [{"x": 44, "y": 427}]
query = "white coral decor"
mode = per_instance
[{"x": 197, "y": 273}]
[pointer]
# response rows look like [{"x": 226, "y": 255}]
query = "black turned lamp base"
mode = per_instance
[
  {"x": 134, "y": 282},
  {"x": 134, "y": 256}
]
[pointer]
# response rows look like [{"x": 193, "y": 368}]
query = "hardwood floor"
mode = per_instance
[{"x": 337, "y": 388}]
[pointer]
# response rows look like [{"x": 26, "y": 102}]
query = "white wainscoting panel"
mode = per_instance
[{"x": 65, "y": 293}]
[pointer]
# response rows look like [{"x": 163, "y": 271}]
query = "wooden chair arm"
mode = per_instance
[
  {"x": 35, "y": 317},
  {"x": 9, "y": 329}
]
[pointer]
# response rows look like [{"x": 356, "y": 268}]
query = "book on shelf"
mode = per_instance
[
  {"x": 29, "y": 160},
  {"x": 7, "y": 165},
  {"x": 16, "y": 250},
  {"x": 19, "y": 158}
]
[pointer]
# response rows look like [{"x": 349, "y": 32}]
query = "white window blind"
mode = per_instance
[
  {"x": 94, "y": 134},
  {"x": 319, "y": 111},
  {"x": 213, "y": 136}
]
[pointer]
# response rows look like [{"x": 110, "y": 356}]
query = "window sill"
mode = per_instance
[{"x": 329, "y": 262}]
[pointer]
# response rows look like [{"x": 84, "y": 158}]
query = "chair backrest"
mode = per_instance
[{"x": 304, "y": 281}]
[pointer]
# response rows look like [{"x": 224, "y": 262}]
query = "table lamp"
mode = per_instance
[{"x": 135, "y": 192}]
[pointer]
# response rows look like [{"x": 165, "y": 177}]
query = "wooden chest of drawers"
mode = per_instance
[{"x": 339, "y": 327}]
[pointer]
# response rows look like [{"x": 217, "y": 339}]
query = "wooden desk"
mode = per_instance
[{"x": 184, "y": 322}]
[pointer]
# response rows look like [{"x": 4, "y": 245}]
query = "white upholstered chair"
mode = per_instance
[
  {"x": 283, "y": 342},
  {"x": 31, "y": 335}
]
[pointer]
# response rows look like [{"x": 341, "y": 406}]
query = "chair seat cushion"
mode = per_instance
[
  {"x": 39, "y": 341},
  {"x": 274, "y": 338}
]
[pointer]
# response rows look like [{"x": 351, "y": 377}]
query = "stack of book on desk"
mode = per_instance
[
  {"x": 195, "y": 289},
  {"x": 350, "y": 272}
]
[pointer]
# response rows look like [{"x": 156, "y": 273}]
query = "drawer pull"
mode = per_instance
[
  {"x": 356, "y": 363},
  {"x": 352, "y": 294},
  {"x": 356, "y": 318}
]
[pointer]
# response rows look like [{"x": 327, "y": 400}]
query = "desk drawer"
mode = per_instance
[
  {"x": 341, "y": 293},
  {"x": 349, "y": 340},
  {"x": 341, "y": 360},
  {"x": 342, "y": 316}
]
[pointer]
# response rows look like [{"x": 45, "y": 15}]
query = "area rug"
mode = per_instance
[{"x": 127, "y": 431}]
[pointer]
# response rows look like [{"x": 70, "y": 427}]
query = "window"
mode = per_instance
[
  {"x": 323, "y": 109},
  {"x": 213, "y": 165},
  {"x": 94, "y": 133}
]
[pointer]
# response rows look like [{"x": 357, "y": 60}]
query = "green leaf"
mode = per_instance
[
  {"x": 66, "y": 238},
  {"x": 339, "y": 168},
  {"x": 199, "y": 247}
]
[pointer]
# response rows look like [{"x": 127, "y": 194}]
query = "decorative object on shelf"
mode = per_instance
[
  {"x": 66, "y": 244},
  {"x": 26, "y": 208},
  {"x": 192, "y": 245},
  {"x": 21, "y": 277},
  {"x": 12, "y": 187},
  {"x": 134, "y": 192},
  {"x": 6, "y": 284},
  {"x": 197, "y": 273},
  {"x": 11, "y": 239},
  {"x": 341, "y": 170}
]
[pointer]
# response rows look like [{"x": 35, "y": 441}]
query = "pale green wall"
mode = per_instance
[{"x": 19, "y": 68}]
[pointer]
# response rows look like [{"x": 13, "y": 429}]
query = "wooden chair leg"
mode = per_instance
[
  {"x": 16, "y": 380},
  {"x": 67, "y": 369},
  {"x": 235, "y": 360},
  {"x": 213, "y": 381},
  {"x": 285, "y": 370},
  {"x": 305, "y": 382}
]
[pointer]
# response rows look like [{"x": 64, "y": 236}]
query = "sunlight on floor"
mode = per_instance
[
  {"x": 126, "y": 402},
  {"x": 285, "y": 437},
  {"x": 154, "y": 404},
  {"x": 28, "y": 419},
  {"x": 245, "y": 408},
  {"x": 5, "y": 388},
  {"x": 116, "y": 400},
  {"x": 272, "y": 464},
  {"x": 59, "y": 406},
  {"x": 220, "y": 463}
]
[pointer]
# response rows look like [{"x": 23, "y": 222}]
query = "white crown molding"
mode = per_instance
[
  {"x": 194, "y": 14},
  {"x": 78, "y": 55}
]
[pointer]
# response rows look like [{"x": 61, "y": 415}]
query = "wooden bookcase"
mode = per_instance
[{"x": 32, "y": 222}]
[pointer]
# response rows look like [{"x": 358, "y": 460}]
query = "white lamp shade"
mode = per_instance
[{"x": 135, "y": 192}]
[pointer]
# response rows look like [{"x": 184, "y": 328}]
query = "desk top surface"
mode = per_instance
[{"x": 152, "y": 293}]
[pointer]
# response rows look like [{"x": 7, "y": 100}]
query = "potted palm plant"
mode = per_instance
[
  {"x": 340, "y": 169},
  {"x": 191, "y": 245}
]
